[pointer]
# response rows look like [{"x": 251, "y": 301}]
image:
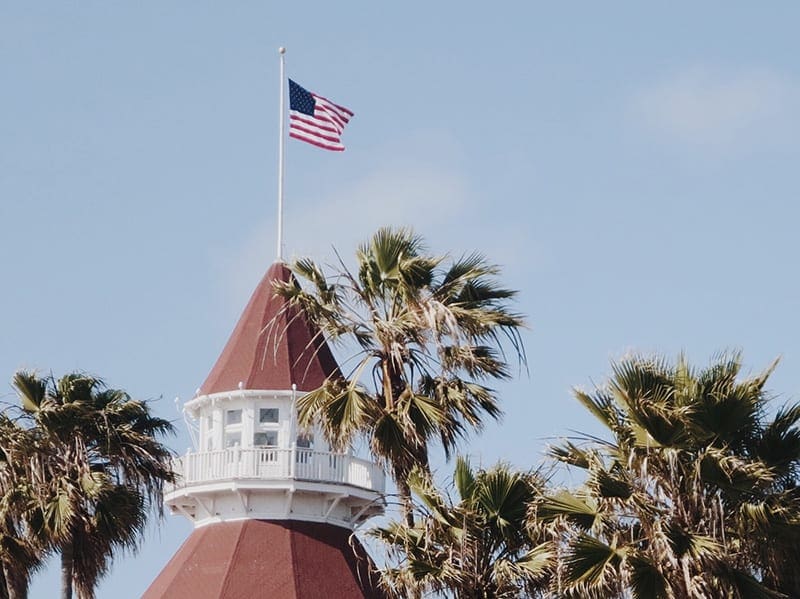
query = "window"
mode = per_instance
[
  {"x": 268, "y": 415},
  {"x": 265, "y": 439},
  {"x": 233, "y": 439},
  {"x": 233, "y": 417},
  {"x": 266, "y": 430}
]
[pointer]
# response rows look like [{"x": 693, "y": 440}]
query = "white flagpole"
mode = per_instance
[{"x": 282, "y": 52}]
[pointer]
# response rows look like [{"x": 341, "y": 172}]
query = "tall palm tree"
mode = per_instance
[
  {"x": 694, "y": 495},
  {"x": 427, "y": 333},
  {"x": 98, "y": 471},
  {"x": 477, "y": 547}
]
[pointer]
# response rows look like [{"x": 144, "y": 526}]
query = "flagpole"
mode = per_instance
[{"x": 282, "y": 53}]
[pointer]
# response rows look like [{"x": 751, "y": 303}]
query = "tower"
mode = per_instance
[{"x": 273, "y": 507}]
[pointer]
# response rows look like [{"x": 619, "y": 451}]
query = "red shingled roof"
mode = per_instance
[
  {"x": 247, "y": 559},
  {"x": 269, "y": 353}
]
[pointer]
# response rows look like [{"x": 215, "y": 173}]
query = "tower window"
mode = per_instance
[
  {"x": 268, "y": 415},
  {"x": 233, "y": 417},
  {"x": 265, "y": 439}
]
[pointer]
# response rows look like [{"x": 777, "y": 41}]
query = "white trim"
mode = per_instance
[
  {"x": 201, "y": 401},
  {"x": 273, "y": 518}
]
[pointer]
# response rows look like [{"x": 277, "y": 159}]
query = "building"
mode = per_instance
[{"x": 273, "y": 507}]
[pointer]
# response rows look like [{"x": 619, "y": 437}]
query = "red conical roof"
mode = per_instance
[
  {"x": 258, "y": 558},
  {"x": 272, "y": 346}
]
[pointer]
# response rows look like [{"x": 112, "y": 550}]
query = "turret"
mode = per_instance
[{"x": 257, "y": 486}]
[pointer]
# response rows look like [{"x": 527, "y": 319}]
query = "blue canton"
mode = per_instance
[{"x": 300, "y": 99}]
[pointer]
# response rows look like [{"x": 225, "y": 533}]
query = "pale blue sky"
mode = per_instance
[{"x": 633, "y": 169}]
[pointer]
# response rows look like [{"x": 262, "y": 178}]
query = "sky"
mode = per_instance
[{"x": 632, "y": 168}]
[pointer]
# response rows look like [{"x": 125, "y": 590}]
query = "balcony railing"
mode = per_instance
[{"x": 272, "y": 463}]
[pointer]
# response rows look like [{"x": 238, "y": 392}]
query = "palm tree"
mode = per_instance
[
  {"x": 427, "y": 333},
  {"x": 21, "y": 549},
  {"x": 695, "y": 494},
  {"x": 478, "y": 547},
  {"x": 97, "y": 472}
]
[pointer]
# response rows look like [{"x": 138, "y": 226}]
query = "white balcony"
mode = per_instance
[{"x": 276, "y": 464}]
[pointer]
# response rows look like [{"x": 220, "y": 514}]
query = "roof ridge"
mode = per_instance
[
  {"x": 226, "y": 582},
  {"x": 292, "y": 551}
]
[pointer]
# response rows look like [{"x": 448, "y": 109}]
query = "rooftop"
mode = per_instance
[
  {"x": 273, "y": 345},
  {"x": 257, "y": 558}
]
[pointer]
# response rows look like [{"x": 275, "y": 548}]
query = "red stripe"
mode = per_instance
[
  {"x": 314, "y": 122},
  {"x": 337, "y": 113},
  {"x": 330, "y": 117},
  {"x": 295, "y": 126},
  {"x": 332, "y": 111},
  {"x": 342, "y": 108},
  {"x": 338, "y": 148}
]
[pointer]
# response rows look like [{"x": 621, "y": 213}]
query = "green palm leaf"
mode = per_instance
[
  {"x": 591, "y": 563},
  {"x": 564, "y": 504},
  {"x": 647, "y": 582}
]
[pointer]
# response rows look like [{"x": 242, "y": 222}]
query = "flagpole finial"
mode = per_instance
[{"x": 281, "y": 50}]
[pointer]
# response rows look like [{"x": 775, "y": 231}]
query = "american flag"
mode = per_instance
[{"x": 315, "y": 119}]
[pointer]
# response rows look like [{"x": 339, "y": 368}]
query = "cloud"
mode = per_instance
[
  {"x": 714, "y": 108},
  {"x": 397, "y": 195},
  {"x": 418, "y": 181},
  {"x": 410, "y": 195}
]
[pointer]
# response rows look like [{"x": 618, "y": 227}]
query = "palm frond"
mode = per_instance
[
  {"x": 32, "y": 390},
  {"x": 571, "y": 454},
  {"x": 464, "y": 478},
  {"x": 599, "y": 406},
  {"x": 590, "y": 563},
  {"x": 608, "y": 485},
  {"x": 647, "y": 582},
  {"x": 582, "y": 513}
]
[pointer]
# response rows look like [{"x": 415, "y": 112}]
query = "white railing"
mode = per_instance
[{"x": 271, "y": 463}]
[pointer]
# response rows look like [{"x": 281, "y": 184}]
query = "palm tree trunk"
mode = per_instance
[
  {"x": 406, "y": 504},
  {"x": 407, "y": 509},
  {"x": 66, "y": 570},
  {"x": 392, "y": 389}
]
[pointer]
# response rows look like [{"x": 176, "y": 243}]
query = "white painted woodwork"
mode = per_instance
[{"x": 248, "y": 465}]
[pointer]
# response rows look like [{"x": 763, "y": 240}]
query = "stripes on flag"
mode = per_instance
[{"x": 316, "y": 120}]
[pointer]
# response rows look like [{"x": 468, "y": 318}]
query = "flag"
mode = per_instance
[{"x": 315, "y": 119}]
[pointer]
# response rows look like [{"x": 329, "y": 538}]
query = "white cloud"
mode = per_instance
[
  {"x": 418, "y": 181},
  {"x": 437, "y": 204},
  {"x": 406, "y": 195},
  {"x": 716, "y": 108},
  {"x": 416, "y": 196}
]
